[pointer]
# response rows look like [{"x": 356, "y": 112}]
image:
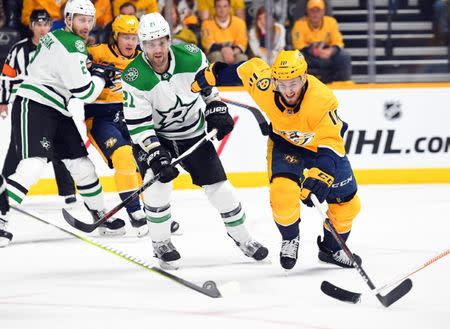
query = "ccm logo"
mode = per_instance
[{"x": 344, "y": 182}]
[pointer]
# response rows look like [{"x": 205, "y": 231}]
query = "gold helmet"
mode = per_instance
[
  {"x": 125, "y": 24},
  {"x": 289, "y": 64}
]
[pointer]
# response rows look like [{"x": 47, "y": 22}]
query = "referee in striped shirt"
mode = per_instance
[{"x": 16, "y": 65}]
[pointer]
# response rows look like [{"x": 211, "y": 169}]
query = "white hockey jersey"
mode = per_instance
[
  {"x": 163, "y": 104},
  {"x": 58, "y": 72}
]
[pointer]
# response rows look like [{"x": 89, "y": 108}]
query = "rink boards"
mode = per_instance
[{"x": 398, "y": 134}]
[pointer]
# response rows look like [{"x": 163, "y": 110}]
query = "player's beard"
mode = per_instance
[{"x": 159, "y": 62}]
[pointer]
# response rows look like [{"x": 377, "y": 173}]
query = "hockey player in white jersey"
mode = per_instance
[
  {"x": 43, "y": 128},
  {"x": 165, "y": 118}
]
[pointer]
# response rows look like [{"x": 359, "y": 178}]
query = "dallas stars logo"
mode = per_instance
[
  {"x": 175, "y": 114},
  {"x": 46, "y": 143}
]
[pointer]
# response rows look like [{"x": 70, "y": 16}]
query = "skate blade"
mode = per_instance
[
  {"x": 106, "y": 232},
  {"x": 141, "y": 231},
  {"x": 169, "y": 266},
  {"x": 4, "y": 242}
]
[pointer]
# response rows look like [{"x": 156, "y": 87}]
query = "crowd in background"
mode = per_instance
[{"x": 228, "y": 30}]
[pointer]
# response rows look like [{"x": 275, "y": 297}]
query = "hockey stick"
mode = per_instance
[
  {"x": 209, "y": 288},
  {"x": 357, "y": 296},
  {"x": 86, "y": 227},
  {"x": 341, "y": 294},
  {"x": 263, "y": 125}
]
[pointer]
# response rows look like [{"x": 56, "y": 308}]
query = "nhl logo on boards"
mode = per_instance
[
  {"x": 392, "y": 110},
  {"x": 131, "y": 74},
  {"x": 191, "y": 48},
  {"x": 80, "y": 45},
  {"x": 263, "y": 84}
]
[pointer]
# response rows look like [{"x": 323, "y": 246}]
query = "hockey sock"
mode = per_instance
[
  {"x": 289, "y": 232},
  {"x": 27, "y": 173},
  {"x": 88, "y": 185},
  {"x": 330, "y": 243},
  {"x": 222, "y": 197},
  {"x": 126, "y": 178},
  {"x": 159, "y": 222}
]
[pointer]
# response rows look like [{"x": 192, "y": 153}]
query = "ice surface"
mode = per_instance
[{"x": 49, "y": 279}]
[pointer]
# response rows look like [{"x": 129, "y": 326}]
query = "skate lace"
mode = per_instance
[
  {"x": 341, "y": 257},
  {"x": 289, "y": 248},
  {"x": 250, "y": 247},
  {"x": 164, "y": 247}
]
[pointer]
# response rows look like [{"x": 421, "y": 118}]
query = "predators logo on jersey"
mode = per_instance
[{"x": 297, "y": 137}]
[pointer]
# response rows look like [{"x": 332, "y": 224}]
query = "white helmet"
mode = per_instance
[
  {"x": 152, "y": 26},
  {"x": 81, "y": 7}
]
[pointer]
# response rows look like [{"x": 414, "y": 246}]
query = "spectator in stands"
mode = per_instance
[
  {"x": 103, "y": 18},
  {"x": 187, "y": 9},
  {"x": 126, "y": 8},
  {"x": 441, "y": 10},
  {"x": 12, "y": 10},
  {"x": 142, "y": 6},
  {"x": 53, "y": 7},
  {"x": 318, "y": 37},
  {"x": 224, "y": 37},
  {"x": 180, "y": 33},
  {"x": 2, "y": 15},
  {"x": 206, "y": 9},
  {"x": 103, "y": 12},
  {"x": 257, "y": 37}
]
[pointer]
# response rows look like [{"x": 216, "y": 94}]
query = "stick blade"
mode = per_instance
[
  {"x": 398, "y": 292},
  {"x": 339, "y": 293},
  {"x": 79, "y": 225}
]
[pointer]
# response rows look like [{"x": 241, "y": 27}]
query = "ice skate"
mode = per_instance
[
  {"x": 166, "y": 253},
  {"x": 289, "y": 253},
  {"x": 5, "y": 236},
  {"x": 138, "y": 220},
  {"x": 112, "y": 226},
  {"x": 175, "y": 228},
  {"x": 338, "y": 258},
  {"x": 70, "y": 201},
  {"x": 252, "y": 248}
]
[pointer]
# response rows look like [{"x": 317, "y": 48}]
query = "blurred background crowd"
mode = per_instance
[{"x": 344, "y": 41}]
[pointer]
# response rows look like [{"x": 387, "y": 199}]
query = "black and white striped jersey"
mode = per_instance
[{"x": 15, "y": 64}]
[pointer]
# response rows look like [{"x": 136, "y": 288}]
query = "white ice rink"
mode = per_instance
[{"x": 49, "y": 279}]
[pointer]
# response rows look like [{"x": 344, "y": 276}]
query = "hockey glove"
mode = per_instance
[
  {"x": 4, "y": 205},
  {"x": 207, "y": 77},
  {"x": 105, "y": 71},
  {"x": 318, "y": 182},
  {"x": 217, "y": 116},
  {"x": 159, "y": 161}
]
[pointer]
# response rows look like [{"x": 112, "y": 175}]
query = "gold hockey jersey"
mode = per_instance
[
  {"x": 310, "y": 124},
  {"x": 105, "y": 53}
]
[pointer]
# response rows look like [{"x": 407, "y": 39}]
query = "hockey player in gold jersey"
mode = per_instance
[{"x": 306, "y": 133}]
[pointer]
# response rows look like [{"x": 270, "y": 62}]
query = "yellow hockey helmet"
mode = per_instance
[
  {"x": 289, "y": 64},
  {"x": 125, "y": 24}
]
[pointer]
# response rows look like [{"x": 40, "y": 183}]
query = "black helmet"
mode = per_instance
[{"x": 40, "y": 15}]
